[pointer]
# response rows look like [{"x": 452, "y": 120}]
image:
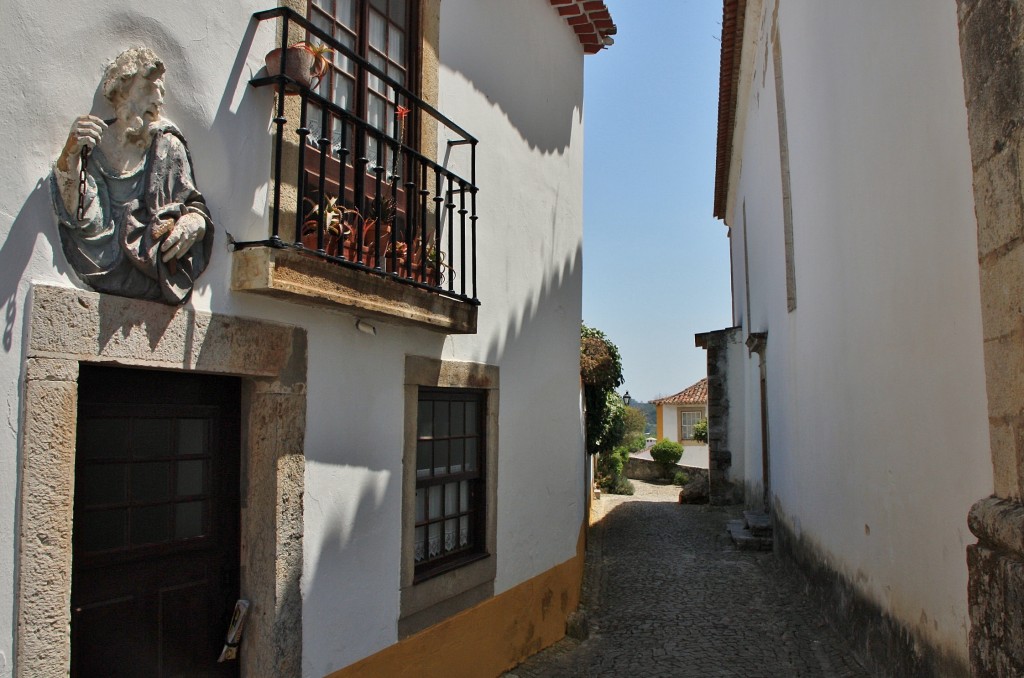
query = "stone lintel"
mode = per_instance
[
  {"x": 72, "y": 324},
  {"x": 291, "y": 276}
]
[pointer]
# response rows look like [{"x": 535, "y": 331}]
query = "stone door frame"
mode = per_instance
[
  {"x": 69, "y": 326},
  {"x": 991, "y": 32}
]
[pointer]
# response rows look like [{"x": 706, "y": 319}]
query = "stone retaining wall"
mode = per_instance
[{"x": 648, "y": 470}]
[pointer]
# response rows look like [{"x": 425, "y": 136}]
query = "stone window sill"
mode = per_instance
[{"x": 288, "y": 275}]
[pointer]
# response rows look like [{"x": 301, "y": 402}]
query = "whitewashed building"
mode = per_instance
[
  {"x": 868, "y": 393},
  {"x": 367, "y": 424}
]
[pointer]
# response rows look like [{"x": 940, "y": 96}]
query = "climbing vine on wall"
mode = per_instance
[{"x": 601, "y": 373}]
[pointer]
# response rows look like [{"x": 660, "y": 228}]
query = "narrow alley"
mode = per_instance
[{"x": 667, "y": 594}]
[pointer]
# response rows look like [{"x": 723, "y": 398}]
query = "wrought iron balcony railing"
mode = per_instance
[{"x": 367, "y": 198}]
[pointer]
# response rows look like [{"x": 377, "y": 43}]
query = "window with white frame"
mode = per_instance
[{"x": 687, "y": 419}]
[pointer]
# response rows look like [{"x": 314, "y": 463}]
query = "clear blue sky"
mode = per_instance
[{"x": 655, "y": 262}]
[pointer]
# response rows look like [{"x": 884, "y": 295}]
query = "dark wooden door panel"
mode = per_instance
[{"x": 156, "y": 546}]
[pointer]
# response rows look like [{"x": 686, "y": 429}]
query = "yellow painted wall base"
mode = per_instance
[
  {"x": 660, "y": 421},
  {"x": 490, "y": 638}
]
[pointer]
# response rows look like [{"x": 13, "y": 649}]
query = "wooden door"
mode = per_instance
[{"x": 156, "y": 523}]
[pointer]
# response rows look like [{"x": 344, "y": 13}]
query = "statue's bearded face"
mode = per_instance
[{"x": 141, "y": 108}]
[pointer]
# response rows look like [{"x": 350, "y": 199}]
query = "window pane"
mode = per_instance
[
  {"x": 434, "y": 540},
  {"x": 342, "y": 61},
  {"x": 425, "y": 419},
  {"x": 323, "y": 4},
  {"x": 397, "y": 74},
  {"x": 464, "y": 496},
  {"x": 322, "y": 22},
  {"x": 375, "y": 84},
  {"x": 471, "y": 454},
  {"x": 378, "y": 31},
  {"x": 464, "y": 531},
  {"x": 188, "y": 520},
  {"x": 151, "y": 437},
  {"x": 451, "y": 536},
  {"x": 151, "y": 482},
  {"x": 372, "y": 148},
  {"x": 472, "y": 419},
  {"x": 396, "y": 45},
  {"x": 101, "y": 484},
  {"x": 440, "y": 457},
  {"x": 323, "y": 88},
  {"x": 98, "y": 438},
  {"x": 190, "y": 477},
  {"x": 192, "y": 436},
  {"x": 441, "y": 419},
  {"x": 421, "y": 498},
  {"x": 424, "y": 448},
  {"x": 151, "y": 524},
  {"x": 343, "y": 88},
  {"x": 451, "y": 498},
  {"x": 313, "y": 122},
  {"x": 458, "y": 418},
  {"x": 421, "y": 544},
  {"x": 345, "y": 11},
  {"x": 100, "y": 530},
  {"x": 434, "y": 504},
  {"x": 457, "y": 455},
  {"x": 397, "y": 11}
]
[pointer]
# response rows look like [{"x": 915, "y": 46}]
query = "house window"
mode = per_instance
[
  {"x": 383, "y": 33},
  {"x": 449, "y": 490},
  {"x": 450, "y": 497},
  {"x": 687, "y": 418}
]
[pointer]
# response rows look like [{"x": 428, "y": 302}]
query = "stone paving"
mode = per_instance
[{"x": 667, "y": 595}]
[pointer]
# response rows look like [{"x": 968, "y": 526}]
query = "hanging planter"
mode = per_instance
[{"x": 306, "y": 64}]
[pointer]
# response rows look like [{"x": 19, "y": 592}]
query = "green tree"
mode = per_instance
[{"x": 636, "y": 422}]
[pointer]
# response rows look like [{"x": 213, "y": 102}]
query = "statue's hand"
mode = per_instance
[
  {"x": 86, "y": 130},
  {"x": 187, "y": 231}
]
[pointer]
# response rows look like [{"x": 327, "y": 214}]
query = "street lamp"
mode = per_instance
[{"x": 626, "y": 398}]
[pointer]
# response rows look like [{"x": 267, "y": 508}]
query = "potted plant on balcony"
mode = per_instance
[
  {"x": 306, "y": 63},
  {"x": 335, "y": 228}
]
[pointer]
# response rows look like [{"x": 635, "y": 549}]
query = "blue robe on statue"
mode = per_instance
[{"x": 113, "y": 248}]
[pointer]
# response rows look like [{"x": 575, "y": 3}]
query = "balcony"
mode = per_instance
[{"x": 367, "y": 215}]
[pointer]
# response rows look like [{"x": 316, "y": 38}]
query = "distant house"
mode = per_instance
[{"x": 676, "y": 416}]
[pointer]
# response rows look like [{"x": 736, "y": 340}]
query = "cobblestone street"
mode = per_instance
[{"x": 667, "y": 595}]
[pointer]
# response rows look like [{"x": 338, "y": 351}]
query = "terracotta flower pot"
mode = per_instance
[
  {"x": 303, "y": 66},
  {"x": 331, "y": 238}
]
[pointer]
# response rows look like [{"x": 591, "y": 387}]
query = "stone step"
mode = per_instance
[
  {"x": 758, "y": 522},
  {"x": 745, "y": 540}
]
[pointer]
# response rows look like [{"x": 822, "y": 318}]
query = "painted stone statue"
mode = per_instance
[{"x": 133, "y": 224}]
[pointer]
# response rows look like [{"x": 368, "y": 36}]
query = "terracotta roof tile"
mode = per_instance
[
  {"x": 692, "y": 395},
  {"x": 590, "y": 20},
  {"x": 728, "y": 86}
]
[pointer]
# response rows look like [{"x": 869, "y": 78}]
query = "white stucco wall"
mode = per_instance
[
  {"x": 876, "y": 396},
  {"x": 736, "y": 423},
  {"x": 511, "y": 74}
]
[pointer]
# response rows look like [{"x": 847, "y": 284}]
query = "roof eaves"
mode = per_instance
[
  {"x": 733, "y": 12},
  {"x": 590, "y": 20}
]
